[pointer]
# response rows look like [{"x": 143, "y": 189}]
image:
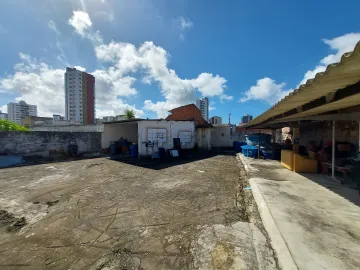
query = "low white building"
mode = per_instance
[{"x": 150, "y": 134}]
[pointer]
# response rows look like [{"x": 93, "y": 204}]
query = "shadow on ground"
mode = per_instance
[
  {"x": 344, "y": 191},
  {"x": 184, "y": 158}
]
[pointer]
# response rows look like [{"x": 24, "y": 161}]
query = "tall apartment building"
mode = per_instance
[
  {"x": 246, "y": 118},
  {"x": 203, "y": 105},
  {"x": 79, "y": 96},
  {"x": 216, "y": 120},
  {"x": 18, "y": 111},
  {"x": 3, "y": 116}
]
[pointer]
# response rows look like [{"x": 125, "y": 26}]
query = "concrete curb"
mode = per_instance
[{"x": 278, "y": 244}]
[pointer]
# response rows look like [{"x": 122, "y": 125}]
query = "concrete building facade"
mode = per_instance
[
  {"x": 79, "y": 96},
  {"x": 215, "y": 120},
  {"x": 18, "y": 111},
  {"x": 246, "y": 118},
  {"x": 203, "y": 105}
]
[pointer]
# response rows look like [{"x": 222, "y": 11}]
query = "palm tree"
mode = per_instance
[{"x": 129, "y": 114}]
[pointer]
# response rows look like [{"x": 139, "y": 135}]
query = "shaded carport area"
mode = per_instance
[
  {"x": 114, "y": 131},
  {"x": 333, "y": 97},
  {"x": 317, "y": 217}
]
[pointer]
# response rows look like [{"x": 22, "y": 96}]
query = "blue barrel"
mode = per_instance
[
  {"x": 133, "y": 149},
  {"x": 250, "y": 151},
  {"x": 113, "y": 149},
  {"x": 258, "y": 138}
]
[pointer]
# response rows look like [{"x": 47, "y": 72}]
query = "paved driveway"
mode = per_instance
[{"x": 318, "y": 219}]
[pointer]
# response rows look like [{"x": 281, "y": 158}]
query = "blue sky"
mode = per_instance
[{"x": 153, "y": 55}]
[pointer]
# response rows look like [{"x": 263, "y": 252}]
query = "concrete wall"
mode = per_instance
[
  {"x": 85, "y": 128},
  {"x": 113, "y": 132},
  {"x": 203, "y": 138},
  {"x": 221, "y": 136},
  {"x": 172, "y": 131},
  {"x": 31, "y": 142}
]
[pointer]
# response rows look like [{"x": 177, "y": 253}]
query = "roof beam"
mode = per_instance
[{"x": 326, "y": 117}]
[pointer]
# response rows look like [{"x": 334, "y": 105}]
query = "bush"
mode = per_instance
[{"x": 6, "y": 125}]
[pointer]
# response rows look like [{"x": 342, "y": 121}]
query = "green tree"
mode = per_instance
[
  {"x": 6, "y": 125},
  {"x": 129, "y": 114}
]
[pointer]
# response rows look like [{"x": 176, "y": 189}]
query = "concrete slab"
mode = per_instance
[{"x": 320, "y": 227}]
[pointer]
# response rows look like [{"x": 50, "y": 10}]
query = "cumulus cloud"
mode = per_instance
[
  {"x": 80, "y": 68},
  {"x": 3, "y": 109},
  {"x": 182, "y": 24},
  {"x": 82, "y": 24},
  {"x": 339, "y": 46},
  {"x": 37, "y": 83},
  {"x": 152, "y": 60},
  {"x": 266, "y": 90}
]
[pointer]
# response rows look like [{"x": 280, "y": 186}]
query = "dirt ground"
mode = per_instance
[{"x": 105, "y": 214}]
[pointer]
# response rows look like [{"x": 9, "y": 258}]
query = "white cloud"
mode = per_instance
[
  {"x": 182, "y": 24},
  {"x": 52, "y": 26},
  {"x": 80, "y": 21},
  {"x": 339, "y": 45},
  {"x": 3, "y": 109},
  {"x": 80, "y": 68},
  {"x": 209, "y": 85},
  {"x": 153, "y": 61},
  {"x": 224, "y": 98},
  {"x": 266, "y": 90},
  {"x": 37, "y": 83},
  {"x": 82, "y": 24}
]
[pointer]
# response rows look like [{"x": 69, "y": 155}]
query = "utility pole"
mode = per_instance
[{"x": 229, "y": 118}]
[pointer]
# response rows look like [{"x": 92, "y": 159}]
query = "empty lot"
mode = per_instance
[{"x": 104, "y": 214}]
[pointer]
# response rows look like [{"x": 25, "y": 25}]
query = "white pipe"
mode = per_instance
[{"x": 333, "y": 151}]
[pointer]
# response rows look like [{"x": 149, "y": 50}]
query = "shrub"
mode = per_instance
[{"x": 6, "y": 125}]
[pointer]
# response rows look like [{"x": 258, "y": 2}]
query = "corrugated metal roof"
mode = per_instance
[{"x": 336, "y": 76}]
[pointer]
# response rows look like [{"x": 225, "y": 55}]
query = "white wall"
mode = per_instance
[
  {"x": 172, "y": 131},
  {"x": 113, "y": 132},
  {"x": 203, "y": 138},
  {"x": 221, "y": 136}
]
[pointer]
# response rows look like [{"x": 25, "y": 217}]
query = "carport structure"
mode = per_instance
[{"x": 333, "y": 95}]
